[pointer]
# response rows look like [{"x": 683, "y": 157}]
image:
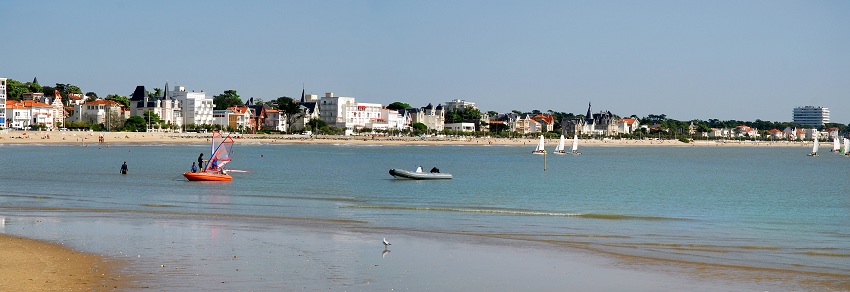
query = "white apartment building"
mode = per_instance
[
  {"x": 332, "y": 109},
  {"x": 196, "y": 107},
  {"x": 346, "y": 113},
  {"x": 456, "y": 104},
  {"x": 3, "y": 102},
  {"x": 813, "y": 116}
]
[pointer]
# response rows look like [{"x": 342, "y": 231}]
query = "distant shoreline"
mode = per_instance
[{"x": 135, "y": 138}]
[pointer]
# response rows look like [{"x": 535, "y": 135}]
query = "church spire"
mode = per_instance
[{"x": 302, "y": 93}]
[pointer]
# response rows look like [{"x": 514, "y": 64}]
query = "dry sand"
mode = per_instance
[
  {"x": 119, "y": 138},
  {"x": 30, "y": 265}
]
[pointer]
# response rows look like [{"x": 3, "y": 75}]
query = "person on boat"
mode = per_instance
[
  {"x": 214, "y": 165},
  {"x": 419, "y": 169},
  {"x": 201, "y": 160},
  {"x": 124, "y": 168},
  {"x": 435, "y": 170},
  {"x": 194, "y": 168}
]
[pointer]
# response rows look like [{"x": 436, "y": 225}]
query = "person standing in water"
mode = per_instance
[{"x": 124, "y": 168}]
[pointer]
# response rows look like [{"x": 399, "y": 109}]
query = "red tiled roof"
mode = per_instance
[{"x": 102, "y": 102}]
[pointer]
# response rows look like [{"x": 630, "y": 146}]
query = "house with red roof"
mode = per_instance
[
  {"x": 627, "y": 125},
  {"x": 26, "y": 113}
]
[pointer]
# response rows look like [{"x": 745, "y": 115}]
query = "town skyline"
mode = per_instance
[
  {"x": 721, "y": 60},
  {"x": 417, "y": 105}
]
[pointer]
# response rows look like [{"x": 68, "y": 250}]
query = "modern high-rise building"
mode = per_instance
[
  {"x": 2, "y": 102},
  {"x": 814, "y": 116}
]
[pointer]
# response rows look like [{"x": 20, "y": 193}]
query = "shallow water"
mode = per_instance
[{"x": 737, "y": 207}]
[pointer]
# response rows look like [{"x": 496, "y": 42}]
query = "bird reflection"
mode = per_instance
[{"x": 384, "y": 253}]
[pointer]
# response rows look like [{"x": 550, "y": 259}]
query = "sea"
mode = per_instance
[{"x": 311, "y": 217}]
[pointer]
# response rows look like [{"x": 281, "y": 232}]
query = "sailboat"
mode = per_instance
[
  {"x": 845, "y": 151},
  {"x": 836, "y": 145},
  {"x": 575, "y": 145},
  {"x": 814, "y": 148},
  {"x": 539, "y": 149},
  {"x": 214, "y": 170},
  {"x": 560, "y": 148}
]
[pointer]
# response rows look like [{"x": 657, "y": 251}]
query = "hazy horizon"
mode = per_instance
[{"x": 726, "y": 60}]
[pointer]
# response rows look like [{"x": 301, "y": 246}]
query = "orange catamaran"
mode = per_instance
[{"x": 214, "y": 170}]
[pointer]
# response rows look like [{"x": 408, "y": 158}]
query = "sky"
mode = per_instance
[{"x": 727, "y": 60}]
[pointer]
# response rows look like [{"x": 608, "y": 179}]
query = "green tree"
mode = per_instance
[
  {"x": 119, "y": 99},
  {"x": 468, "y": 114},
  {"x": 47, "y": 90},
  {"x": 419, "y": 127},
  {"x": 33, "y": 87},
  {"x": 15, "y": 89},
  {"x": 227, "y": 99},
  {"x": 398, "y": 105},
  {"x": 152, "y": 117},
  {"x": 317, "y": 126},
  {"x": 289, "y": 107},
  {"x": 91, "y": 94},
  {"x": 135, "y": 124},
  {"x": 65, "y": 89}
]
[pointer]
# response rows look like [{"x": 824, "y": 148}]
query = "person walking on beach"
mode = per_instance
[
  {"x": 124, "y": 168},
  {"x": 201, "y": 161}
]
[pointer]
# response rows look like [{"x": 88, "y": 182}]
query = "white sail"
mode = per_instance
[
  {"x": 560, "y": 147},
  {"x": 815, "y": 147},
  {"x": 836, "y": 144},
  {"x": 540, "y": 149},
  {"x": 575, "y": 143},
  {"x": 845, "y": 146}
]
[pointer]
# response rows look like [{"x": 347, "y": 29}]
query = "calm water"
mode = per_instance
[{"x": 750, "y": 207}]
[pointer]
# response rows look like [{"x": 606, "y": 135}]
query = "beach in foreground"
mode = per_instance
[{"x": 30, "y": 265}]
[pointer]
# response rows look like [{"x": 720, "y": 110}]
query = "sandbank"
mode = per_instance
[
  {"x": 31, "y": 265},
  {"x": 9, "y": 137}
]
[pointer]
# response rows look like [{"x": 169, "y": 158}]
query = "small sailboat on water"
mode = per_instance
[
  {"x": 214, "y": 170},
  {"x": 845, "y": 150},
  {"x": 575, "y": 145},
  {"x": 560, "y": 148},
  {"x": 836, "y": 145},
  {"x": 814, "y": 149},
  {"x": 540, "y": 149}
]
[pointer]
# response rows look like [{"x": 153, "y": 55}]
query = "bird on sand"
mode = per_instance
[{"x": 386, "y": 243}]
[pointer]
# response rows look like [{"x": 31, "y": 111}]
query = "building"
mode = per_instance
[
  {"x": 26, "y": 113},
  {"x": 332, "y": 109},
  {"x": 3, "y": 102},
  {"x": 166, "y": 107},
  {"x": 627, "y": 125},
  {"x": 196, "y": 107},
  {"x": 345, "y": 113},
  {"x": 457, "y": 104},
  {"x": 812, "y": 116},
  {"x": 107, "y": 112},
  {"x": 432, "y": 117},
  {"x": 309, "y": 106}
]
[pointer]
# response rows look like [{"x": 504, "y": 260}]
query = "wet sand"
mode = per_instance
[
  {"x": 30, "y": 265},
  {"x": 118, "y": 138}
]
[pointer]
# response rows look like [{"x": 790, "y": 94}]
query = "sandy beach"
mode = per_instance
[
  {"x": 118, "y": 138},
  {"x": 30, "y": 265}
]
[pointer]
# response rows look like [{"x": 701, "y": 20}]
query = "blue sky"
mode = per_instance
[{"x": 741, "y": 60}]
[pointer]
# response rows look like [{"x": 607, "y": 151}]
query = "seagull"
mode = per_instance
[{"x": 386, "y": 243}]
